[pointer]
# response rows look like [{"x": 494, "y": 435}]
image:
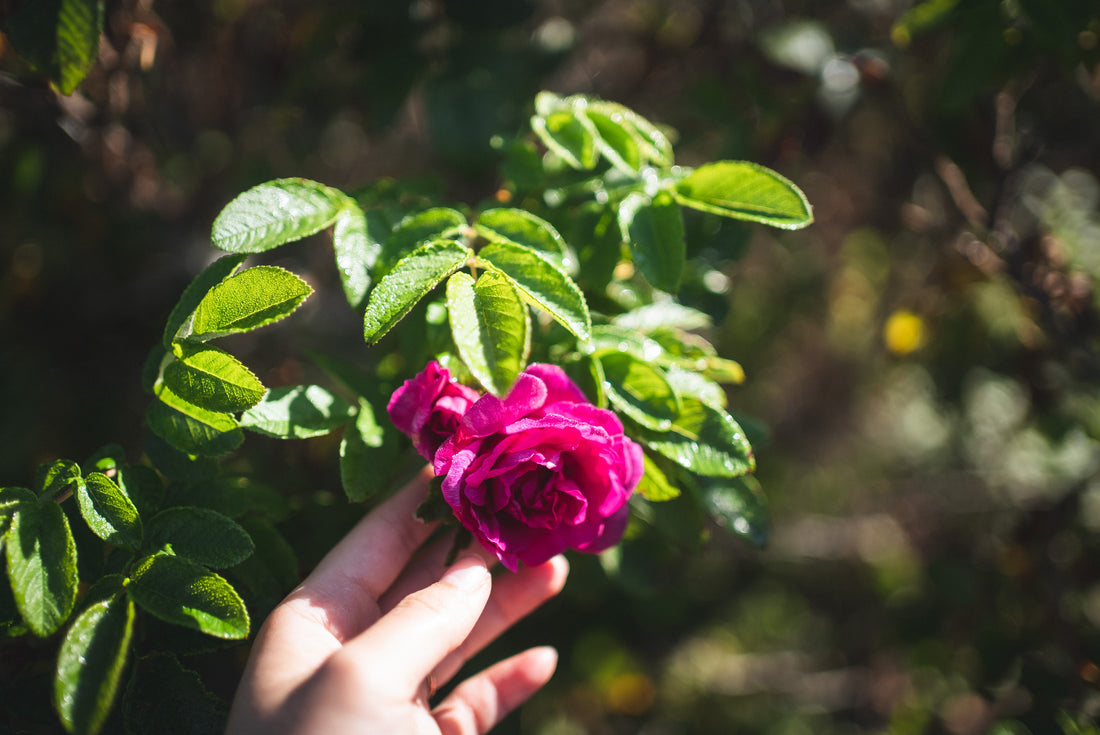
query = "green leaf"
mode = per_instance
[
  {"x": 211, "y": 378},
  {"x": 705, "y": 440},
  {"x": 142, "y": 485},
  {"x": 109, "y": 512},
  {"x": 199, "y": 432},
  {"x": 738, "y": 505},
  {"x": 11, "y": 499},
  {"x": 368, "y": 454},
  {"x": 59, "y": 38},
  {"x": 202, "y": 535},
  {"x": 746, "y": 191},
  {"x": 184, "y": 593},
  {"x": 274, "y": 213},
  {"x": 689, "y": 384},
  {"x": 655, "y": 231},
  {"x": 251, "y": 299},
  {"x": 410, "y": 280},
  {"x": 272, "y": 571},
  {"x": 520, "y": 227},
  {"x": 491, "y": 328},
  {"x": 297, "y": 412},
  {"x": 639, "y": 390},
  {"x": 41, "y": 557},
  {"x": 417, "y": 230},
  {"x": 357, "y": 252},
  {"x": 90, "y": 664},
  {"x": 662, "y": 315},
  {"x": 53, "y": 479},
  {"x": 179, "y": 321},
  {"x": 653, "y": 144},
  {"x": 616, "y": 141},
  {"x": 165, "y": 698},
  {"x": 569, "y": 137},
  {"x": 542, "y": 283},
  {"x": 655, "y": 486}
]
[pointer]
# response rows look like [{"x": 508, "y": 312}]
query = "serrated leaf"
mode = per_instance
[
  {"x": 179, "y": 321},
  {"x": 274, "y": 213},
  {"x": 11, "y": 499},
  {"x": 142, "y": 485},
  {"x": 410, "y": 280},
  {"x": 357, "y": 251},
  {"x": 421, "y": 228},
  {"x": 368, "y": 454},
  {"x": 59, "y": 38},
  {"x": 746, "y": 191},
  {"x": 616, "y": 141},
  {"x": 199, "y": 432},
  {"x": 704, "y": 439},
  {"x": 272, "y": 571},
  {"x": 520, "y": 227},
  {"x": 90, "y": 664},
  {"x": 655, "y": 486},
  {"x": 248, "y": 300},
  {"x": 653, "y": 144},
  {"x": 568, "y": 136},
  {"x": 201, "y": 535},
  {"x": 211, "y": 378},
  {"x": 542, "y": 283},
  {"x": 164, "y": 697},
  {"x": 639, "y": 390},
  {"x": 109, "y": 512},
  {"x": 662, "y": 315},
  {"x": 297, "y": 412},
  {"x": 491, "y": 328},
  {"x": 52, "y": 479},
  {"x": 654, "y": 229},
  {"x": 690, "y": 384},
  {"x": 182, "y": 592},
  {"x": 41, "y": 558},
  {"x": 739, "y": 506}
]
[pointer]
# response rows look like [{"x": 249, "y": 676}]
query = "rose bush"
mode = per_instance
[
  {"x": 540, "y": 471},
  {"x": 429, "y": 407}
]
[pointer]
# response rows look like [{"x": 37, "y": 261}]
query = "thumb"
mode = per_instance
[{"x": 409, "y": 641}]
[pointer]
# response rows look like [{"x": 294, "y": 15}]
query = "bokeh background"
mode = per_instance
[{"x": 922, "y": 362}]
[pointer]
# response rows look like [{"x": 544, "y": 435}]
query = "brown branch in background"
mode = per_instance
[{"x": 955, "y": 180}]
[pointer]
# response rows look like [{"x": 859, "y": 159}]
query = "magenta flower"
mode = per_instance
[
  {"x": 429, "y": 407},
  {"x": 540, "y": 471}
]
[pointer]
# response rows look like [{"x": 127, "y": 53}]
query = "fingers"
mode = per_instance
[
  {"x": 342, "y": 592},
  {"x": 482, "y": 701},
  {"x": 407, "y": 643},
  {"x": 514, "y": 596}
]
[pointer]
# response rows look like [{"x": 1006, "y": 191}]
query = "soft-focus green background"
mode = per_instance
[{"x": 923, "y": 359}]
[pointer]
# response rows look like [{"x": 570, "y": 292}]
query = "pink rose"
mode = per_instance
[
  {"x": 540, "y": 471},
  {"x": 429, "y": 407}
]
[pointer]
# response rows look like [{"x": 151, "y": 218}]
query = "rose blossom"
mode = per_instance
[
  {"x": 540, "y": 471},
  {"x": 429, "y": 407}
]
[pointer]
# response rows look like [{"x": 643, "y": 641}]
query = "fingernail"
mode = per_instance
[{"x": 467, "y": 574}]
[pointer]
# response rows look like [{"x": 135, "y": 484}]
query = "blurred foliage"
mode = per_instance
[{"x": 922, "y": 363}]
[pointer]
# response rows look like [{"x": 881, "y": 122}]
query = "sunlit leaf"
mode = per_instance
[
  {"x": 179, "y": 321},
  {"x": 746, "y": 191},
  {"x": 655, "y": 486},
  {"x": 654, "y": 229},
  {"x": 41, "y": 558},
  {"x": 200, "y": 534},
  {"x": 357, "y": 251},
  {"x": 639, "y": 390},
  {"x": 59, "y": 38},
  {"x": 368, "y": 454},
  {"x": 491, "y": 328},
  {"x": 297, "y": 412},
  {"x": 182, "y": 592},
  {"x": 520, "y": 227},
  {"x": 703, "y": 439},
  {"x": 212, "y": 378},
  {"x": 248, "y": 300},
  {"x": 616, "y": 141},
  {"x": 55, "y": 478},
  {"x": 193, "y": 430},
  {"x": 109, "y": 512},
  {"x": 274, "y": 213},
  {"x": 568, "y": 136},
  {"x": 416, "y": 230}
]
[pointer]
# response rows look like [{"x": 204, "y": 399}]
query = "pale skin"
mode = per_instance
[{"x": 380, "y": 621}]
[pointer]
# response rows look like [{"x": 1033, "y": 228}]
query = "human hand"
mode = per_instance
[{"x": 360, "y": 644}]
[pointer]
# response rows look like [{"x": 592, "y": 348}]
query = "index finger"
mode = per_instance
[{"x": 346, "y": 586}]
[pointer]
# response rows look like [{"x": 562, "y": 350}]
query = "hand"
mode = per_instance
[{"x": 359, "y": 646}]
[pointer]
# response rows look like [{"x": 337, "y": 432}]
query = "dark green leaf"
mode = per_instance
[
  {"x": 357, "y": 251},
  {"x": 738, "y": 505},
  {"x": 639, "y": 390},
  {"x": 142, "y": 485},
  {"x": 746, "y": 191},
  {"x": 196, "y": 432},
  {"x": 417, "y": 230},
  {"x": 491, "y": 328},
  {"x": 90, "y": 663},
  {"x": 520, "y": 227},
  {"x": 272, "y": 571},
  {"x": 54, "y": 479},
  {"x": 248, "y": 300},
  {"x": 41, "y": 557},
  {"x": 179, "y": 321},
  {"x": 368, "y": 455},
  {"x": 654, "y": 228},
  {"x": 176, "y": 465},
  {"x": 705, "y": 440},
  {"x": 655, "y": 486},
  {"x": 542, "y": 283},
  {"x": 108, "y": 512},
  {"x": 410, "y": 280},
  {"x": 616, "y": 140},
  {"x": 297, "y": 412},
  {"x": 202, "y": 535},
  {"x": 211, "y": 378},
  {"x": 59, "y": 38},
  {"x": 184, "y": 593},
  {"x": 274, "y": 213},
  {"x": 167, "y": 699}
]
